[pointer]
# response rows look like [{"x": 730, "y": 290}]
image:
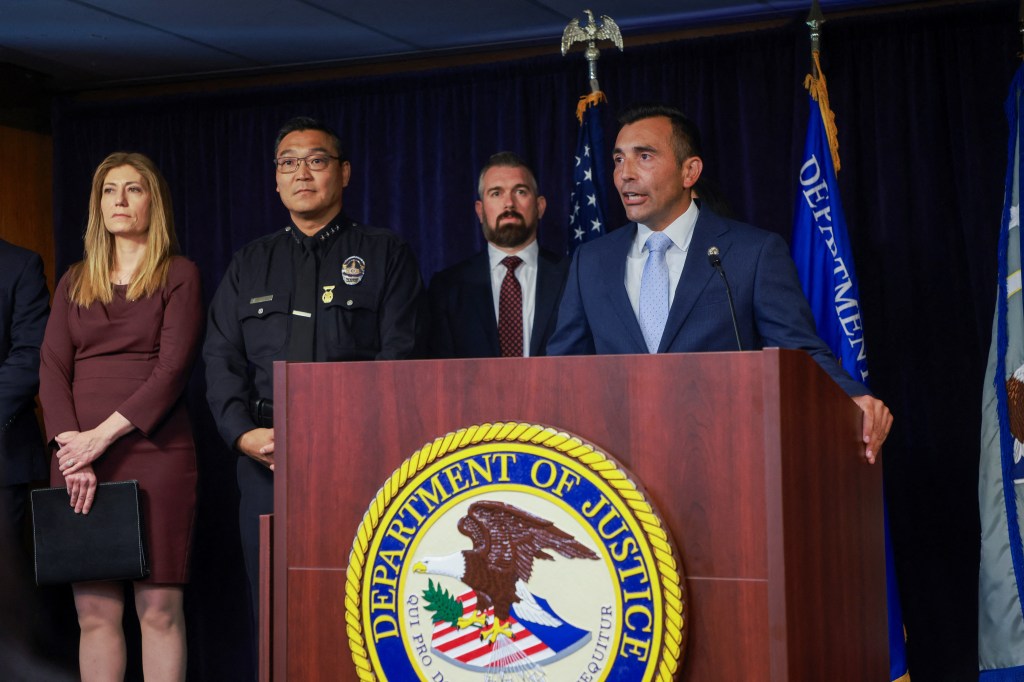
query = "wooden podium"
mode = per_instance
[{"x": 751, "y": 459}]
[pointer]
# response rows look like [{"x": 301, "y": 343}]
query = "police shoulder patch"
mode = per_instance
[{"x": 514, "y": 551}]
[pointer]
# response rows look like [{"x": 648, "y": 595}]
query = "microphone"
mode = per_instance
[{"x": 716, "y": 262}]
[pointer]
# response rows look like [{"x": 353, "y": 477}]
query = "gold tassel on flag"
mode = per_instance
[
  {"x": 591, "y": 100},
  {"x": 818, "y": 88}
]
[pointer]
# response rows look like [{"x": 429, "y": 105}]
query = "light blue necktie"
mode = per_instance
[{"x": 654, "y": 291}]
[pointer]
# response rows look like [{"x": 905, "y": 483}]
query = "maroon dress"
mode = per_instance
[{"x": 132, "y": 357}]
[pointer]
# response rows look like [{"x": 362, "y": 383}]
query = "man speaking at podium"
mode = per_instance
[{"x": 653, "y": 286}]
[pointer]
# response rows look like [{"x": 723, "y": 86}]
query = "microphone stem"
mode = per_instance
[{"x": 732, "y": 308}]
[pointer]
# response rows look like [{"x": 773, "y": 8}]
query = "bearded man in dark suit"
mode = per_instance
[{"x": 501, "y": 302}]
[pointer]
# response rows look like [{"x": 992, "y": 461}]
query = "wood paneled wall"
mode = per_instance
[{"x": 26, "y": 193}]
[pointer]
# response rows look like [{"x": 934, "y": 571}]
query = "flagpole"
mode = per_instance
[
  {"x": 816, "y": 85},
  {"x": 590, "y": 183},
  {"x": 819, "y": 265},
  {"x": 815, "y": 20}
]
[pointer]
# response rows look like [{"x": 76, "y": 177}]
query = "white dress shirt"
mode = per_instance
[
  {"x": 526, "y": 273},
  {"x": 680, "y": 231}
]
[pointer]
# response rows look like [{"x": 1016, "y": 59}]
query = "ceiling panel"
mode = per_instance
[
  {"x": 459, "y": 23},
  {"x": 93, "y": 41},
  {"x": 78, "y": 44},
  {"x": 265, "y": 32}
]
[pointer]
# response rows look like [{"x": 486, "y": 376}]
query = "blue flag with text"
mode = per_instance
[
  {"x": 821, "y": 250},
  {"x": 589, "y": 175},
  {"x": 1001, "y": 461}
]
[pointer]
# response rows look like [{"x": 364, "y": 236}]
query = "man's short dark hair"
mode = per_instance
[
  {"x": 685, "y": 134},
  {"x": 505, "y": 160},
  {"x": 307, "y": 123}
]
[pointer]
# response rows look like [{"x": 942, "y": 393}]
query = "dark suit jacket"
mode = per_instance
[
  {"x": 24, "y": 307},
  {"x": 596, "y": 316},
  {"x": 462, "y": 308}
]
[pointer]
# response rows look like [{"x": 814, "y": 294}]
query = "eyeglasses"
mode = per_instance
[{"x": 314, "y": 162}]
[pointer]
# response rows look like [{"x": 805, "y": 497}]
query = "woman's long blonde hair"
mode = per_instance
[{"x": 90, "y": 278}]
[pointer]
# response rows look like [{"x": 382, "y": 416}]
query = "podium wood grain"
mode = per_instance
[{"x": 751, "y": 459}]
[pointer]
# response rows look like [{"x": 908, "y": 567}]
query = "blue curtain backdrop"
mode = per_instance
[{"x": 918, "y": 96}]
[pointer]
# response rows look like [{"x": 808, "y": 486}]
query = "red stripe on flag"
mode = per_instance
[{"x": 466, "y": 638}]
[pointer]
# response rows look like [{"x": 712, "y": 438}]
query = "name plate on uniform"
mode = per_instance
[{"x": 514, "y": 551}]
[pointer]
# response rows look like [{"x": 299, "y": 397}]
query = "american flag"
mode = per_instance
[{"x": 587, "y": 202}]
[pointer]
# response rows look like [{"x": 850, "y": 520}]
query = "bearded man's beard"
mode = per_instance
[{"x": 511, "y": 234}]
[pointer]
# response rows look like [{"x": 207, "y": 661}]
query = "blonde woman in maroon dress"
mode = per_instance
[{"x": 116, "y": 357}]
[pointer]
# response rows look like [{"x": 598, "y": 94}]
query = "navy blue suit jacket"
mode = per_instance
[
  {"x": 596, "y": 315},
  {"x": 462, "y": 318},
  {"x": 24, "y": 308}
]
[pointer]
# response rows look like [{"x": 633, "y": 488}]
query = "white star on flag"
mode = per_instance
[{"x": 587, "y": 218}]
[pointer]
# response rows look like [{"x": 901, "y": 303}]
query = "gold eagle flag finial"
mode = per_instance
[{"x": 590, "y": 33}]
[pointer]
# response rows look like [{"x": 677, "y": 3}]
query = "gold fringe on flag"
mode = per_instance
[
  {"x": 591, "y": 100},
  {"x": 819, "y": 91}
]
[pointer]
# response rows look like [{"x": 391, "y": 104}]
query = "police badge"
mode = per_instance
[{"x": 353, "y": 270}]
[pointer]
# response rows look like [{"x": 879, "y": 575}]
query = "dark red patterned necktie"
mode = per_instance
[{"x": 510, "y": 311}]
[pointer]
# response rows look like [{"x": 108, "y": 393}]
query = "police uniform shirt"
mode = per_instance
[{"x": 368, "y": 306}]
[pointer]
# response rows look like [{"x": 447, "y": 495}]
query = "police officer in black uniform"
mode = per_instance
[{"x": 324, "y": 288}]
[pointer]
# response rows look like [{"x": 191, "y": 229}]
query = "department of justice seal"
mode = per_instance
[{"x": 513, "y": 551}]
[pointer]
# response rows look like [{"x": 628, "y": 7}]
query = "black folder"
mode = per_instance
[{"x": 105, "y": 544}]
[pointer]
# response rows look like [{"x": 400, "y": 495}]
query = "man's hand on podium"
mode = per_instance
[
  {"x": 877, "y": 422},
  {"x": 258, "y": 444}
]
